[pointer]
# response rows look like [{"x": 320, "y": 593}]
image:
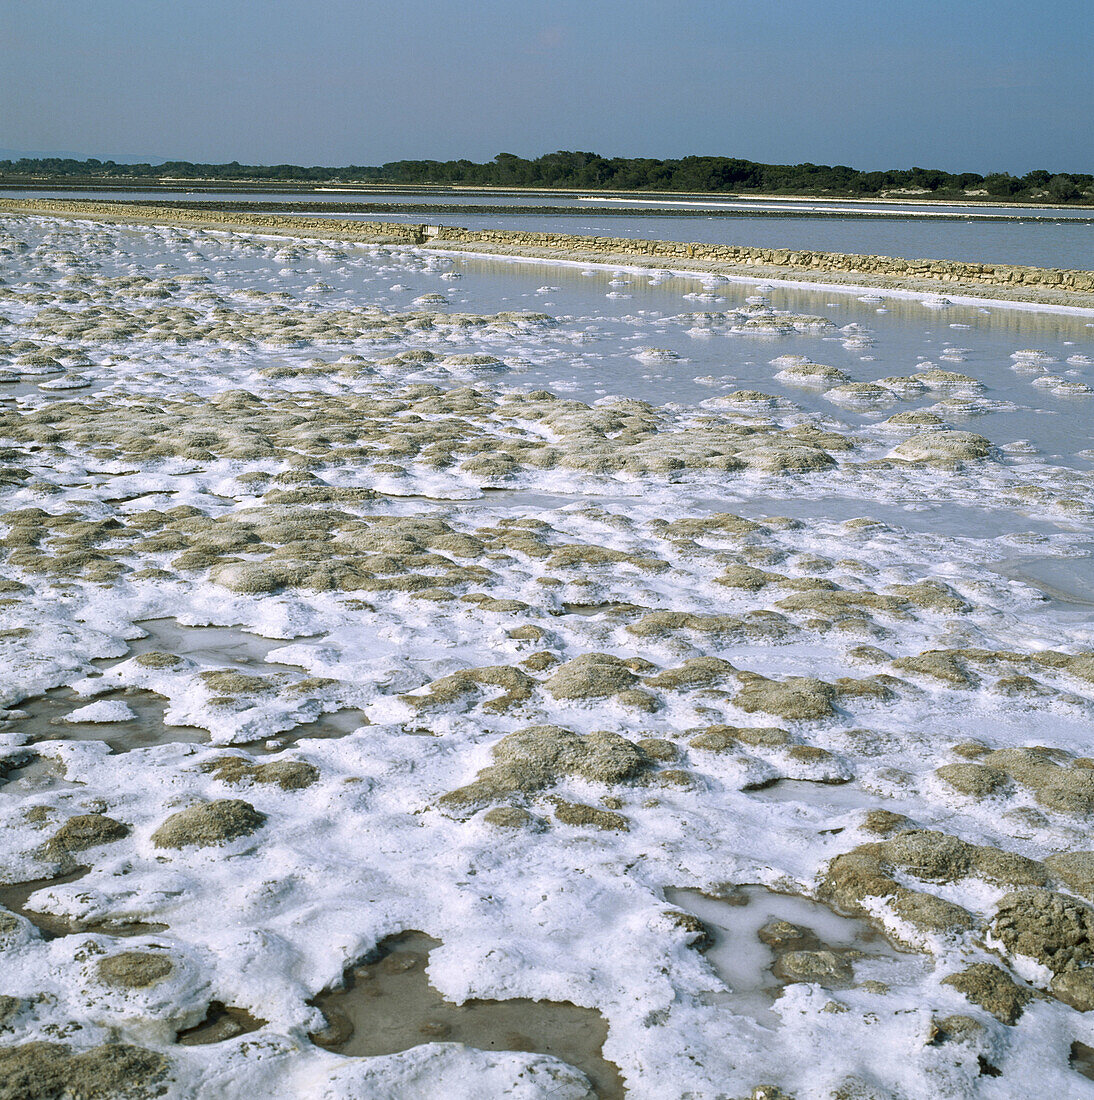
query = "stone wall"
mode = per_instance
[
  {"x": 955, "y": 271},
  {"x": 329, "y": 228},
  {"x": 940, "y": 271}
]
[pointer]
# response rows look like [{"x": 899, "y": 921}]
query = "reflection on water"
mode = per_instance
[
  {"x": 17, "y": 898},
  {"x": 205, "y": 644},
  {"x": 711, "y": 360},
  {"x": 1082, "y": 1059},
  {"x": 762, "y": 940},
  {"x": 222, "y": 1022},
  {"x": 1067, "y": 582},
  {"x": 388, "y": 1005},
  {"x": 47, "y": 717},
  {"x": 46, "y": 720}
]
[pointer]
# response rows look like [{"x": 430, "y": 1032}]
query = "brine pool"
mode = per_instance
[
  {"x": 1036, "y": 236},
  {"x": 696, "y": 677}
]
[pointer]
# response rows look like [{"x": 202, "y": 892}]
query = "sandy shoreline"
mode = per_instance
[{"x": 988, "y": 282}]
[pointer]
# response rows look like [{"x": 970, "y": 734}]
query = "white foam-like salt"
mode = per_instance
[{"x": 105, "y": 710}]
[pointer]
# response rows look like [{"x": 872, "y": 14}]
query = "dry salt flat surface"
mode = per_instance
[{"x": 443, "y": 677}]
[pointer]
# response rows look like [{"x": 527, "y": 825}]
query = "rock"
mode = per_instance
[
  {"x": 644, "y": 701},
  {"x": 957, "y": 1029},
  {"x": 10, "y": 1008},
  {"x": 970, "y": 750},
  {"x": 578, "y": 554},
  {"x": 575, "y": 813},
  {"x": 823, "y": 967},
  {"x": 1075, "y": 988},
  {"x": 938, "y": 857},
  {"x": 661, "y": 624},
  {"x": 12, "y": 928},
  {"x": 798, "y": 698},
  {"x": 816, "y": 764},
  {"x": 1008, "y": 868},
  {"x": 769, "y": 1092},
  {"x": 134, "y": 969},
  {"x": 931, "y": 914},
  {"x": 539, "y": 662},
  {"x": 517, "y": 686},
  {"x": 747, "y": 577},
  {"x": 1066, "y": 789},
  {"x": 591, "y": 676},
  {"x": 731, "y": 738},
  {"x": 944, "y": 448},
  {"x": 993, "y": 989},
  {"x": 209, "y": 823},
  {"x": 939, "y": 665},
  {"x": 856, "y": 875},
  {"x": 699, "y": 935},
  {"x": 782, "y": 935},
  {"x": 929, "y": 855},
  {"x": 659, "y": 748},
  {"x": 977, "y": 780},
  {"x": 933, "y": 595},
  {"x": 81, "y": 832},
  {"x": 1074, "y": 868},
  {"x": 157, "y": 659},
  {"x": 527, "y": 633},
  {"x": 536, "y": 758},
  {"x": 884, "y": 822},
  {"x": 674, "y": 777},
  {"x": 854, "y": 1087},
  {"x": 230, "y": 682},
  {"x": 866, "y": 872},
  {"x": 1053, "y": 929},
  {"x": 50, "y": 1071},
  {"x": 788, "y": 459},
  {"x": 698, "y": 672},
  {"x": 289, "y": 775},
  {"x": 508, "y": 817}
]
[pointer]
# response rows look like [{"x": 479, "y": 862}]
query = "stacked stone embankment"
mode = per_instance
[
  {"x": 943, "y": 270},
  {"x": 1048, "y": 285}
]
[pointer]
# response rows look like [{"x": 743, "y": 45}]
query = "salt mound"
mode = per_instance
[
  {"x": 105, "y": 710},
  {"x": 812, "y": 374},
  {"x": 656, "y": 355},
  {"x": 859, "y": 393},
  {"x": 1033, "y": 355},
  {"x": 943, "y": 448}
]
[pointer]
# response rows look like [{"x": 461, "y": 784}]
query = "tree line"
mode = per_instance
[{"x": 589, "y": 170}]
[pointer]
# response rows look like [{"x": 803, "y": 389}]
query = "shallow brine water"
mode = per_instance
[
  {"x": 1034, "y": 236},
  {"x": 1036, "y": 242},
  {"x": 700, "y": 673}
]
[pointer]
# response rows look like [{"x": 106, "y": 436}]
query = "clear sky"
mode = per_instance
[{"x": 964, "y": 85}]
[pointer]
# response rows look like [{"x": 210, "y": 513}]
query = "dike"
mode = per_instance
[{"x": 1006, "y": 282}]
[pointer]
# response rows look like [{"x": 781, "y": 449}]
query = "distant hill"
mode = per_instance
[{"x": 593, "y": 172}]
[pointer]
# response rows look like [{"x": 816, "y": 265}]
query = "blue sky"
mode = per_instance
[{"x": 962, "y": 85}]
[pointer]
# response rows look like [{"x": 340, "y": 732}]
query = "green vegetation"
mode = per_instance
[{"x": 588, "y": 170}]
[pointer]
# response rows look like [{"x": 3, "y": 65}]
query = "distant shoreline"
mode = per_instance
[
  {"x": 1000, "y": 283},
  {"x": 245, "y": 187},
  {"x": 675, "y": 209}
]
